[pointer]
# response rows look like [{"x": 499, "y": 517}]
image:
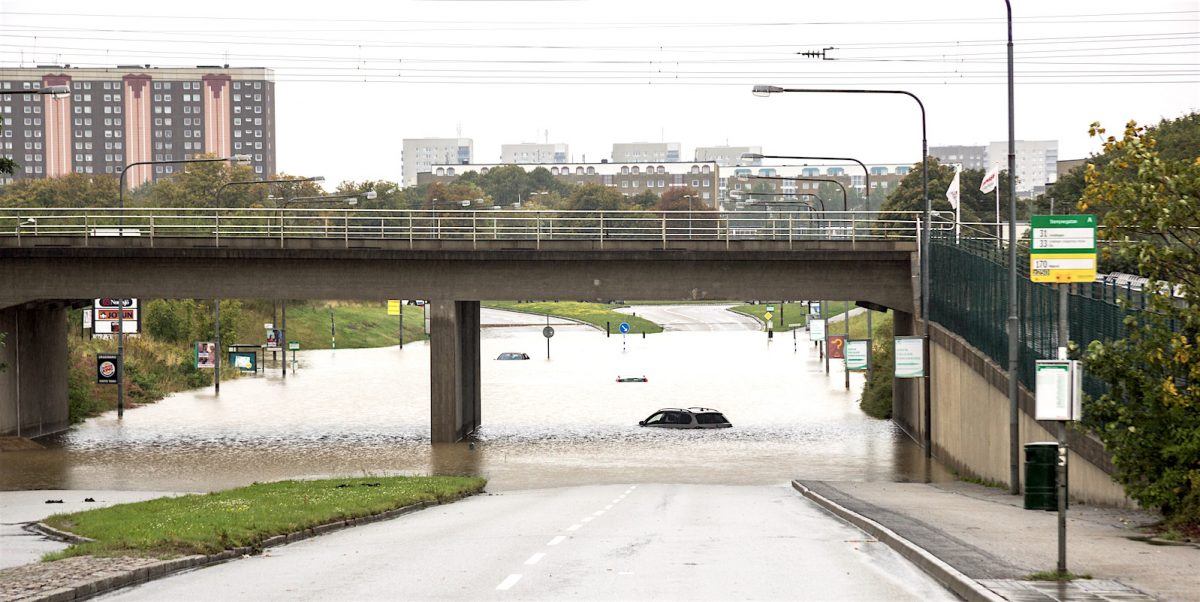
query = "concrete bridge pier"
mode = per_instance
[
  {"x": 33, "y": 386},
  {"x": 453, "y": 370}
]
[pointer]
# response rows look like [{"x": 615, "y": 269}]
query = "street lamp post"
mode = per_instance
[
  {"x": 927, "y": 417},
  {"x": 239, "y": 159},
  {"x": 1014, "y": 335},
  {"x": 689, "y": 198},
  {"x": 866, "y": 172},
  {"x": 217, "y": 303},
  {"x": 350, "y": 199}
]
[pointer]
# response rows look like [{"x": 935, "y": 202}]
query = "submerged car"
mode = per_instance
[
  {"x": 632, "y": 379},
  {"x": 513, "y": 355},
  {"x": 689, "y": 418}
]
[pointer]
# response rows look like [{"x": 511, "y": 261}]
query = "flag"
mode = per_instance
[
  {"x": 952, "y": 193},
  {"x": 990, "y": 180}
]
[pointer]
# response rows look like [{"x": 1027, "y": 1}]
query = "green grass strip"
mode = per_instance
[
  {"x": 794, "y": 314},
  {"x": 213, "y": 522},
  {"x": 596, "y": 314}
]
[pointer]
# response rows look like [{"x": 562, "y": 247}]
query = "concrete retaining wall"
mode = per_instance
[{"x": 970, "y": 424}]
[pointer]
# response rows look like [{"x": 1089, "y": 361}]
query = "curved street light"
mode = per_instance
[
  {"x": 866, "y": 172},
  {"x": 927, "y": 417},
  {"x": 238, "y": 159},
  {"x": 845, "y": 198}
]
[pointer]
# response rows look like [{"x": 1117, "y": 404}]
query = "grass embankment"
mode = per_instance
[
  {"x": 357, "y": 325},
  {"x": 794, "y": 314},
  {"x": 596, "y": 314},
  {"x": 246, "y": 516},
  {"x": 153, "y": 369}
]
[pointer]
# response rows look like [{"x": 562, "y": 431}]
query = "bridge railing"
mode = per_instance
[{"x": 475, "y": 225}]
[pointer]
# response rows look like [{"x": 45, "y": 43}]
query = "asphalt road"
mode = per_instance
[
  {"x": 693, "y": 317},
  {"x": 602, "y": 542}
]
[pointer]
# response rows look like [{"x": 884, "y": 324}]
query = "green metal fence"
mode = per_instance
[{"x": 969, "y": 296}]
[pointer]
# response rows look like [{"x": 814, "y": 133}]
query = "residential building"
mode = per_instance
[
  {"x": 114, "y": 117},
  {"x": 794, "y": 182},
  {"x": 643, "y": 152},
  {"x": 727, "y": 156},
  {"x": 1037, "y": 164},
  {"x": 970, "y": 157},
  {"x": 419, "y": 155},
  {"x": 630, "y": 178},
  {"x": 532, "y": 152}
]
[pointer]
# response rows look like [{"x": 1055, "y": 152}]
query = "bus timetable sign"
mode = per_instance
[{"x": 1063, "y": 248}]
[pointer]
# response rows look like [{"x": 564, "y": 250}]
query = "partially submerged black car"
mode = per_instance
[{"x": 690, "y": 418}]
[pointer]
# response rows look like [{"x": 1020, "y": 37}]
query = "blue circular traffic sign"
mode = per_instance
[{"x": 624, "y": 327}]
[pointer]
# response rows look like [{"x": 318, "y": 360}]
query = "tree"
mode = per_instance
[
  {"x": 595, "y": 197},
  {"x": 677, "y": 199},
  {"x": 977, "y": 207},
  {"x": 1150, "y": 418}
]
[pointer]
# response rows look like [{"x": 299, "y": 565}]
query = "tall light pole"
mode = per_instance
[
  {"x": 866, "y": 172},
  {"x": 845, "y": 197},
  {"x": 927, "y": 417},
  {"x": 238, "y": 159},
  {"x": 689, "y": 198},
  {"x": 1014, "y": 321},
  {"x": 349, "y": 199},
  {"x": 217, "y": 301}
]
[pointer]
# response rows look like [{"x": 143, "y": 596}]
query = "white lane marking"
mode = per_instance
[
  {"x": 587, "y": 519},
  {"x": 557, "y": 540},
  {"x": 536, "y": 558},
  {"x": 509, "y": 581},
  {"x": 598, "y": 513},
  {"x": 609, "y": 507},
  {"x": 616, "y": 500},
  {"x": 574, "y": 527}
]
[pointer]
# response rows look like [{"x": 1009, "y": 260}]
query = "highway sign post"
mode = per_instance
[
  {"x": 624, "y": 328},
  {"x": 396, "y": 308},
  {"x": 548, "y": 332}
]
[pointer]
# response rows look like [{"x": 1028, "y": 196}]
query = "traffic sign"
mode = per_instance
[
  {"x": 1062, "y": 248},
  {"x": 394, "y": 306},
  {"x": 767, "y": 316},
  {"x": 770, "y": 308},
  {"x": 856, "y": 355},
  {"x": 293, "y": 345},
  {"x": 910, "y": 357},
  {"x": 816, "y": 329},
  {"x": 624, "y": 327},
  {"x": 548, "y": 332}
]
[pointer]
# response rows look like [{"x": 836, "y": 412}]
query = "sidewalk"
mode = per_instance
[{"x": 988, "y": 537}]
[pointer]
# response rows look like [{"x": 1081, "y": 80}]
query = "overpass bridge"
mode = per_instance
[{"x": 50, "y": 259}]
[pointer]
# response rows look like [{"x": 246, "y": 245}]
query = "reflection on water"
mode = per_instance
[{"x": 546, "y": 423}]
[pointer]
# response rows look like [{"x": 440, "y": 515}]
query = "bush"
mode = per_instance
[{"x": 877, "y": 391}]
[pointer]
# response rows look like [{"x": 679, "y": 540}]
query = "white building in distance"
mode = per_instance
[
  {"x": 642, "y": 152},
  {"x": 420, "y": 154},
  {"x": 532, "y": 152}
]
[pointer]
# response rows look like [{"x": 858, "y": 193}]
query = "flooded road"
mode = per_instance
[{"x": 546, "y": 422}]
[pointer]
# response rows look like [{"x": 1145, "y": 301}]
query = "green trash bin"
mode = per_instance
[{"x": 1041, "y": 475}]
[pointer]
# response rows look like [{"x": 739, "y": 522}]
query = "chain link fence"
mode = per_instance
[{"x": 969, "y": 296}]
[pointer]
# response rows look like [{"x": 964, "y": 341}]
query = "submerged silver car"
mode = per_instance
[{"x": 689, "y": 418}]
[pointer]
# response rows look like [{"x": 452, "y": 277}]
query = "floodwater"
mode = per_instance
[{"x": 547, "y": 422}]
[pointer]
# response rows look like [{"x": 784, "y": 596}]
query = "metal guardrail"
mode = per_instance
[{"x": 359, "y": 224}]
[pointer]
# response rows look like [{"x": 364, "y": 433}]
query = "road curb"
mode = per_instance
[
  {"x": 102, "y": 585},
  {"x": 950, "y": 577}
]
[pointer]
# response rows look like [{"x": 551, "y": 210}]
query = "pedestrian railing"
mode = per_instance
[{"x": 280, "y": 225}]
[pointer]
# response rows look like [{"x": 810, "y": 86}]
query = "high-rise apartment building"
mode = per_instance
[
  {"x": 420, "y": 154},
  {"x": 532, "y": 152},
  {"x": 117, "y": 116},
  {"x": 640, "y": 152},
  {"x": 970, "y": 157},
  {"x": 1037, "y": 164},
  {"x": 727, "y": 156}
]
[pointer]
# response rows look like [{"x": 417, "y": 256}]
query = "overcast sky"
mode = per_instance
[{"x": 352, "y": 83}]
